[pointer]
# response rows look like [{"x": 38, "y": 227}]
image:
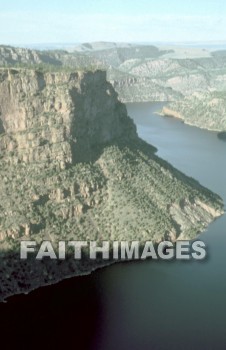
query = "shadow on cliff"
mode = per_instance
[
  {"x": 2, "y": 129},
  {"x": 83, "y": 154}
]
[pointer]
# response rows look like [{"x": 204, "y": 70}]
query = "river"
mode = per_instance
[
  {"x": 172, "y": 305},
  {"x": 144, "y": 305}
]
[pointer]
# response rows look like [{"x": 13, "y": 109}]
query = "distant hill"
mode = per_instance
[{"x": 142, "y": 72}]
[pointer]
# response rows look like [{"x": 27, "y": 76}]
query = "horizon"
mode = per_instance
[{"x": 211, "y": 45}]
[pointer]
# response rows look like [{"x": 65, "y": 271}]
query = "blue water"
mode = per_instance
[
  {"x": 171, "y": 305},
  {"x": 162, "y": 305}
]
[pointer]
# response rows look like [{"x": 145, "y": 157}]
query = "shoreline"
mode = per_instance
[{"x": 170, "y": 113}]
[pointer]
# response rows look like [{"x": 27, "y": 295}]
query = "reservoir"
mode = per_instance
[
  {"x": 150, "y": 305},
  {"x": 172, "y": 305}
]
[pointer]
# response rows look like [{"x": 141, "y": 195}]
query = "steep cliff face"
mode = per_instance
[
  {"x": 58, "y": 116},
  {"x": 11, "y": 55},
  {"x": 72, "y": 167},
  {"x": 140, "y": 88},
  {"x": 144, "y": 73}
]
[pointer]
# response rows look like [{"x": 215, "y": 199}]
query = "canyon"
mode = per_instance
[{"x": 74, "y": 168}]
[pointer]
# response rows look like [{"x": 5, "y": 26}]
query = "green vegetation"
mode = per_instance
[
  {"x": 46, "y": 67},
  {"x": 204, "y": 110},
  {"x": 72, "y": 167}
]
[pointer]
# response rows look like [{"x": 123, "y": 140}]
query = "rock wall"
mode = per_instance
[
  {"x": 73, "y": 168},
  {"x": 58, "y": 116}
]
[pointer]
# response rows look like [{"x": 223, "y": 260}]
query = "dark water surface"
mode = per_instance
[{"x": 142, "y": 305}]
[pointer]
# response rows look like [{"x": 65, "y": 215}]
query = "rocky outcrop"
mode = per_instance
[
  {"x": 47, "y": 116},
  {"x": 14, "y": 56},
  {"x": 142, "y": 89},
  {"x": 144, "y": 73},
  {"x": 73, "y": 168}
]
